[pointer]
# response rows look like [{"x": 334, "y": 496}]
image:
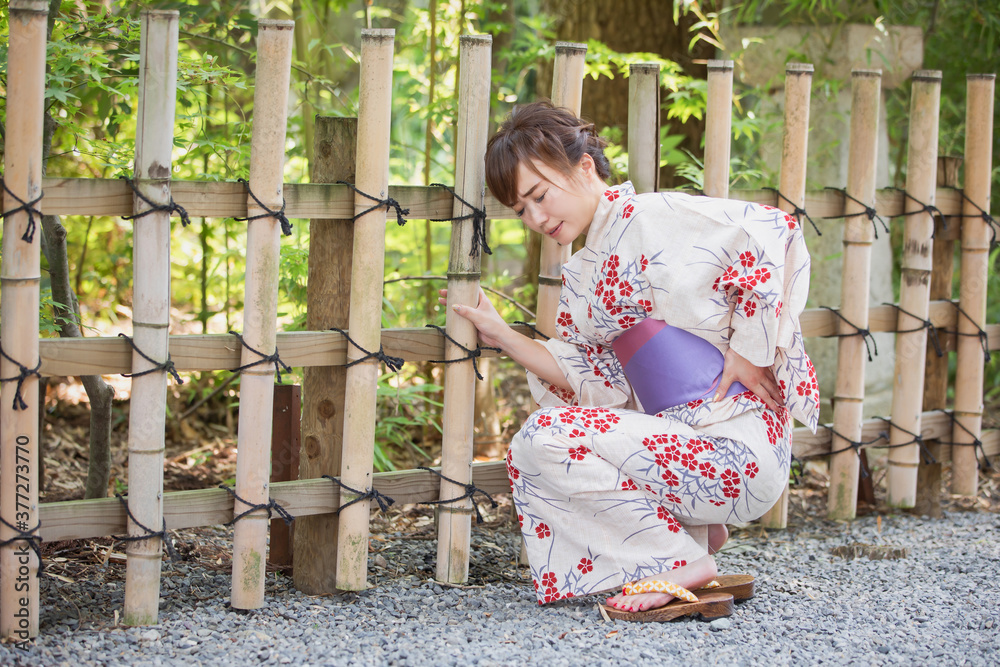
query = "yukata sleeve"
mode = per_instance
[{"x": 593, "y": 373}]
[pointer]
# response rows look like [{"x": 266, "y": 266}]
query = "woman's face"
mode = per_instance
[{"x": 552, "y": 203}]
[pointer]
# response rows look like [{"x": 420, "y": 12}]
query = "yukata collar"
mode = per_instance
[{"x": 607, "y": 211}]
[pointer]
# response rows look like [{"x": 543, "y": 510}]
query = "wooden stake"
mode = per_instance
[
  {"x": 644, "y": 126},
  {"x": 150, "y": 310},
  {"x": 567, "y": 91},
  {"x": 914, "y": 293},
  {"x": 367, "y": 276},
  {"x": 859, "y": 233},
  {"x": 19, "y": 277},
  {"x": 267, "y": 160},
  {"x": 286, "y": 440},
  {"x": 328, "y": 299},
  {"x": 455, "y": 521},
  {"x": 792, "y": 185},
  {"x": 974, "y": 277},
  {"x": 718, "y": 127},
  {"x": 936, "y": 367}
]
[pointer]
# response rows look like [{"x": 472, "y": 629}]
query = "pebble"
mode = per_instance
[{"x": 806, "y": 610}]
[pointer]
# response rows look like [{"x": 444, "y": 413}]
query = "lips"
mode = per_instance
[{"x": 556, "y": 230}]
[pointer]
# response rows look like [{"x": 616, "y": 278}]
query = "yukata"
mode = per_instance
[{"x": 604, "y": 492}]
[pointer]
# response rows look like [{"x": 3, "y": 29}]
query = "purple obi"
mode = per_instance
[{"x": 667, "y": 366}]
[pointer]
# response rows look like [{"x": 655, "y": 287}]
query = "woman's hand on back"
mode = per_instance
[
  {"x": 492, "y": 328},
  {"x": 760, "y": 381}
]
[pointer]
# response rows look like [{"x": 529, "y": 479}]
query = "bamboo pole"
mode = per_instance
[
  {"x": 644, "y": 126},
  {"x": 328, "y": 298},
  {"x": 267, "y": 152},
  {"x": 936, "y": 367},
  {"x": 849, "y": 393},
  {"x": 151, "y": 310},
  {"x": 914, "y": 293},
  {"x": 718, "y": 128},
  {"x": 567, "y": 91},
  {"x": 792, "y": 185},
  {"x": 973, "y": 281},
  {"x": 21, "y": 269},
  {"x": 367, "y": 276},
  {"x": 455, "y": 520}
]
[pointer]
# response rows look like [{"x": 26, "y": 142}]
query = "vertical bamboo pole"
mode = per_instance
[
  {"x": 567, "y": 91},
  {"x": 718, "y": 128},
  {"x": 20, "y": 276},
  {"x": 151, "y": 309},
  {"x": 914, "y": 293},
  {"x": 455, "y": 521},
  {"x": 849, "y": 394},
  {"x": 267, "y": 159},
  {"x": 644, "y": 126},
  {"x": 328, "y": 298},
  {"x": 973, "y": 281},
  {"x": 792, "y": 184},
  {"x": 946, "y": 232},
  {"x": 367, "y": 276}
]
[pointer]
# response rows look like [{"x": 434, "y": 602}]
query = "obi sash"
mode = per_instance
[{"x": 667, "y": 366}]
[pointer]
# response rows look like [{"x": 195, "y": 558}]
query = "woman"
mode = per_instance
[{"x": 605, "y": 492}]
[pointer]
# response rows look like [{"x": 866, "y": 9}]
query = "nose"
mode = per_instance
[{"x": 534, "y": 216}]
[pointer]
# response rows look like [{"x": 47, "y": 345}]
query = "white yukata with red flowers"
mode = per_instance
[{"x": 604, "y": 492}]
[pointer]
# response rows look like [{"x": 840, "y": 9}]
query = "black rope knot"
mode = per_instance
[
  {"x": 29, "y": 536},
  {"x": 984, "y": 339},
  {"x": 869, "y": 211},
  {"x": 148, "y": 533},
  {"x": 924, "y": 208},
  {"x": 29, "y": 208},
  {"x": 856, "y": 445},
  {"x": 23, "y": 374},
  {"x": 279, "y": 365},
  {"x": 797, "y": 211},
  {"x": 478, "y": 216},
  {"x": 924, "y": 324},
  {"x": 470, "y": 492},
  {"x": 976, "y": 442},
  {"x": 983, "y": 215},
  {"x": 394, "y": 364},
  {"x": 172, "y": 207},
  {"x": 388, "y": 202},
  {"x": 383, "y": 500},
  {"x": 279, "y": 215},
  {"x": 167, "y": 366},
  {"x": 470, "y": 354},
  {"x": 865, "y": 334},
  {"x": 915, "y": 438},
  {"x": 270, "y": 506}
]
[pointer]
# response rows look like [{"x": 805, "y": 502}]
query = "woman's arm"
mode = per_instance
[{"x": 495, "y": 332}]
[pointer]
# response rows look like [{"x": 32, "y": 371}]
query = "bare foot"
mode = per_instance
[
  {"x": 693, "y": 575},
  {"x": 717, "y": 536}
]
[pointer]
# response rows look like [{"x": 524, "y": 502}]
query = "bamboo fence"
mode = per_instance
[{"x": 269, "y": 202}]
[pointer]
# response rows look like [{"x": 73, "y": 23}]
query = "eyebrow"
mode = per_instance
[{"x": 531, "y": 189}]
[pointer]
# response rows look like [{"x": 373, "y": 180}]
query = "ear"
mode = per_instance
[{"x": 587, "y": 164}]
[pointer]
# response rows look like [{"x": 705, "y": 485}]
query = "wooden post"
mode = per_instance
[
  {"x": 644, "y": 126},
  {"x": 936, "y": 373},
  {"x": 567, "y": 91},
  {"x": 455, "y": 519},
  {"x": 367, "y": 277},
  {"x": 718, "y": 127},
  {"x": 973, "y": 281},
  {"x": 286, "y": 438},
  {"x": 328, "y": 300},
  {"x": 21, "y": 270},
  {"x": 267, "y": 159},
  {"x": 150, "y": 310},
  {"x": 849, "y": 394},
  {"x": 914, "y": 291},
  {"x": 792, "y": 185}
]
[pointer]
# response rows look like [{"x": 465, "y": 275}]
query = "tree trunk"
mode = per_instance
[
  {"x": 627, "y": 26},
  {"x": 67, "y": 314}
]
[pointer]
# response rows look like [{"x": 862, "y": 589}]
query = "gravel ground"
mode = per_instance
[{"x": 938, "y": 605}]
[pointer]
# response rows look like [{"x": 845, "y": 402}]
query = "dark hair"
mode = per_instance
[{"x": 540, "y": 131}]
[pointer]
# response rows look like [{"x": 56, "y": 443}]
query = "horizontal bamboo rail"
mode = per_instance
[
  {"x": 108, "y": 356},
  {"x": 213, "y": 199},
  {"x": 83, "y": 519}
]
